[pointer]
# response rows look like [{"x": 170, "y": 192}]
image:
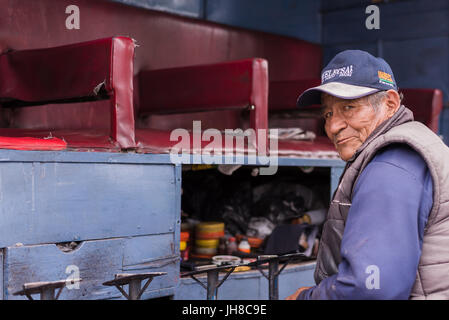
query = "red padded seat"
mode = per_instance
[
  {"x": 239, "y": 86},
  {"x": 88, "y": 81},
  {"x": 426, "y": 105}
]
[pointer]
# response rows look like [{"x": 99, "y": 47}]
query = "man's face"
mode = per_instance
[{"x": 348, "y": 123}]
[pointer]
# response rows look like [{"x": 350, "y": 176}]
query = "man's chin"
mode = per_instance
[{"x": 345, "y": 155}]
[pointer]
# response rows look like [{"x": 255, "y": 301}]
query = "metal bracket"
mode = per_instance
[
  {"x": 45, "y": 289},
  {"x": 212, "y": 279},
  {"x": 134, "y": 282},
  {"x": 273, "y": 270}
]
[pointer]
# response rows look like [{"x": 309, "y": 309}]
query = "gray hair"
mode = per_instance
[{"x": 376, "y": 99}]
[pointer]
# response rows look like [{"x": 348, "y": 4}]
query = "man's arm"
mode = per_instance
[{"x": 381, "y": 244}]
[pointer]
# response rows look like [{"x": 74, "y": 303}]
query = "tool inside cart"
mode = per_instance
[
  {"x": 270, "y": 262},
  {"x": 232, "y": 219}
]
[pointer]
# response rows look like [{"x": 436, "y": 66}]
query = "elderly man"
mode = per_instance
[{"x": 386, "y": 235}]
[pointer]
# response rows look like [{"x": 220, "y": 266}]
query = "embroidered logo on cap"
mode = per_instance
[
  {"x": 385, "y": 78},
  {"x": 340, "y": 72}
]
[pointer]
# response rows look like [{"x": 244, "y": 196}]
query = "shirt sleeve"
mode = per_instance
[{"x": 381, "y": 244}]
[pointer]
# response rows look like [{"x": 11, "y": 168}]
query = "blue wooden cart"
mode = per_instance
[{"x": 120, "y": 211}]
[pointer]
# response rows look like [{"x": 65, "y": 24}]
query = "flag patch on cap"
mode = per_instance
[{"x": 385, "y": 78}]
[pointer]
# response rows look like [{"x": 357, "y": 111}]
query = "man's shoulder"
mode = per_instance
[{"x": 402, "y": 156}]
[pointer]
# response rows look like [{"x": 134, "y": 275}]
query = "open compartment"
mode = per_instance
[{"x": 277, "y": 214}]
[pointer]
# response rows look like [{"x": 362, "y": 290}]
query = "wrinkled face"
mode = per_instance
[{"x": 348, "y": 123}]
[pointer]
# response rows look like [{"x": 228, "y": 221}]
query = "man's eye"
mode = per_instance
[
  {"x": 347, "y": 108},
  {"x": 327, "y": 115}
]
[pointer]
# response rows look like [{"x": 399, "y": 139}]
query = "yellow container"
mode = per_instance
[
  {"x": 210, "y": 227},
  {"x": 182, "y": 246},
  {"x": 207, "y": 243},
  {"x": 206, "y": 251}
]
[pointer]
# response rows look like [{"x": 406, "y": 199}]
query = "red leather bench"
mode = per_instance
[
  {"x": 282, "y": 101},
  {"x": 165, "y": 41},
  {"x": 426, "y": 105},
  {"x": 222, "y": 96},
  {"x": 81, "y": 93},
  {"x": 188, "y": 45}
]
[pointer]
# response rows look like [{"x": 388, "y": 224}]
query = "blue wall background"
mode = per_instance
[
  {"x": 413, "y": 35},
  {"x": 413, "y": 38},
  {"x": 296, "y": 18}
]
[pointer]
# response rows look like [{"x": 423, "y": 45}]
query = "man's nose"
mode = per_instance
[{"x": 336, "y": 124}]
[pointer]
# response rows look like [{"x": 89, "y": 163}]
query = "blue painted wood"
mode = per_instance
[
  {"x": 275, "y": 161},
  {"x": 330, "y": 51},
  {"x": 336, "y": 173},
  {"x": 133, "y": 158},
  {"x": 394, "y": 6},
  {"x": 1, "y": 275},
  {"x": 292, "y": 279},
  {"x": 56, "y": 202},
  {"x": 295, "y": 18},
  {"x": 146, "y": 251},
  {"x": 191, "y": 8},
  {"x": 413, "y": 39},
  {"x": 54, "y": 196},
  {"x": 177, "y": 232},
  {"x": 332, "y": 5},
  {"x": 397, "y": 21},
  {"x": 97, "y": 261},
  {"x": 420, "y": 63},
  {"x": 444, "y": 125},
  {"x": 82, "y": 157},
  {"x": 153, "y": 253},
  {"x": 250, "y": 285},
  {"x": 349, "y": 27}
]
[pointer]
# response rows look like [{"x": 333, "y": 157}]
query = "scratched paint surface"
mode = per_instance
[
  {"x": 97, "y": 261},
  {"x": 250, "y": 285},
  {"x": 57, "y": 202}
]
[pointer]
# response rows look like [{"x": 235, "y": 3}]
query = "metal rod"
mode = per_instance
[
  {"x": 59, "y": 293},
  {"x": 263, "y": 273},
  {"x": 144, "y": 288},
  {"x": 273, "y": 286},
  {"x": 226, "y": 276},
  {"x": 134, "y": 289},
  {"x": 212, "y": 284},
  {"x": 48, "y": 294},
  {"x": 202, "y": 284},
  {"x": 122, "y": 291},
  {"x": 283, "y": 267}
]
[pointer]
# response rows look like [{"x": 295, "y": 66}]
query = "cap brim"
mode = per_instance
[{"x": 337, "y": 89}]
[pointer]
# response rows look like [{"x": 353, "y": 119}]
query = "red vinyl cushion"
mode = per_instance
[
  {"x": 92, "y": 140},
  {"x": 426, "y": 105},
  {"x": 284, "y": 94},
  {"x": 159, "y": 142},
  {"x": 70, "y": 73},
  {"x": 29, "y": 143},
  {"x": 165, "y": 41},
  {"x": 235, "y": 85},
  {"x": 320, "y": 147}
]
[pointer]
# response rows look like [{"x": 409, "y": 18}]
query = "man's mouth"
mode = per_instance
[{"x": 344, "y": 140}]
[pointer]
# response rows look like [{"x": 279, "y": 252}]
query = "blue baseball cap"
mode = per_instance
[{"x": 351, "y": 74}]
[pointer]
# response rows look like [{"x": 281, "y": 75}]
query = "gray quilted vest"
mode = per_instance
[{"x": 432, "y": 277}]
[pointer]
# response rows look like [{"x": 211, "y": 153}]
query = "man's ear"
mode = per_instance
[{"x": 392, "y": 102}]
